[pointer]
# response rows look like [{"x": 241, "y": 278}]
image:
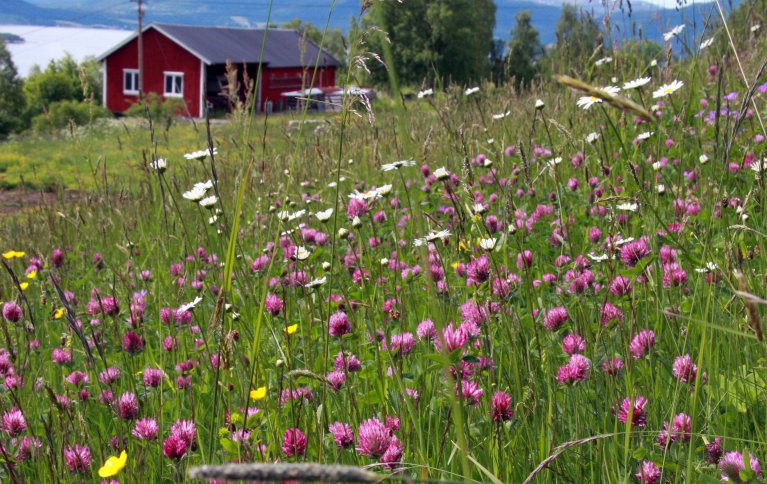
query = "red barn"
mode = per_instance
[{"x": 189, "y": 63}]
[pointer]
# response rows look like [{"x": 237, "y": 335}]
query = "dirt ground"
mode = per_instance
[{"x": 12, "y": 201}]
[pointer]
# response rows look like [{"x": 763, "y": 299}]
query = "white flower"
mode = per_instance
[
  {"x": 645, "y": 135},
  {"x": 397, "y": 165},
  {"x": 539, "y": 104},
  {"x": 301, "y": 253},
  {"x": 586, "y": 102},
  {"x": 200, "y": 155},
  {"x": 756, "y": 27},
  {"x": 317, "y": 282},
  {"x": 209, "y": 201},
  {"x": 441, "y": 173},
  {"x": 326, "y": 265},
  {"x": 384, "y": 262},
  {"x": 471, "y": 91},
  {"x": 611, "y": 90},
  {"x": 703, "y": 159},
  {"x": 160, "y": 164},
  {"x": 212, "y": 220},
  {"x": 431, "y": 237},
  {"x": 629, "y": 207},
  {"x": 479, "y": 208},
  {"x": 636, "y": 83},
  {"x": 598, "y": 258},
  {"x": 603, "y": 60},
  {"x": 366, "y": 195},
  {"x": 706, "y": 43},
  {"x": 195, "y": 194},
  {"x": 488, "y": 162},
  {"x": 190, "y": 305},
  {"x": 296, "y": 215},
  {"x": 625, "y": 241},
  {"x": 384, "y": 190},
  {"x": 708, "y": 267},
  {"x": 673, "y": 32},
  {"x": 488, "y": 244},
  {"x": 343, "y": 233},
  {"x": 657, "y": 165},
  {"x": 501, "y": 115},
  {"x": 661, "y": 189},
  {"x": 667, "y": 89},
  {"x": 325, "y": 215},
  {"x": 356, "y": 222},
  {"x": 592, "y": 137},
  {"x": 759, "y": 167},
  {"x": 424, "y": 93}
]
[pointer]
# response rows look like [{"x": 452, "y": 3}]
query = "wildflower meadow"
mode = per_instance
[{"x": 475, "y": 284}]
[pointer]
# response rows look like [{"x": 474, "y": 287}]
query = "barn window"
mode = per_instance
[
  {"x": 130, "y": 81},
  {"x": 174, "y": 84}
]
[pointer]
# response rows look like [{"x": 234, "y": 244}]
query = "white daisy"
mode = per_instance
[
  {"x": 366, "y": 195},
  {"x": 325, "y": 215},
  {"x": 356, "y": 222},
  {"x": 501, "y": 115},
  {"x": 384, "y": 262},
  {"x": 707, "y": 267},
  {"x": 208, "y": 202},
  {"x": 586, "y": 102},
  {"x": 759, "y": 167},
  {"x": 703, "y": 159},
  {"x": 190, "y": 305},
  {"x": 316, "y": 282},
  {"x": 471, "y": 90},
  {"x": 756, "y": 27},
  {"x": 539, "y": 104},
  {"x": 628, "y": 207},
  {"x": 603, "y": 60},
  {"x": 478, "y": 208},
  {"x": 301, "y": 253},
  {"x": 645, "y": 135},
  {"x": 425, "y": 93},
  {"x": 441, "y": 173},
  {"x": 667, "y": 89},
  {"x": 201, "y": 154},
  {"x": 384, "y": 190},
  {"x": 653, "y": 63},
  {"x": 160, "y": 164},
  {"x": 673, "y": 32},
  {"x": 661, "y": 189},
  {"x": 592, "y": 137},
  {"x": 706, "y": 43},
  {"x": 598, "y": 258},
  {"x": 488, "y": 244},
  {"x": 325, "y": 265},
  {"x": 636, "y": 83},
  {"x": 195, "y": 194},
  {"x": 212, "y": 220},
  {"x": 397, "y": 165}
]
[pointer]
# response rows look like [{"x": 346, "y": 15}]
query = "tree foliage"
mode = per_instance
[
  {"x": 525, "y": 50},
  {"x": 333, "y": 41},
  {"x": 435, "y": 40},
  {"x": 62, "y": 80},
  {"x": 578, "y": 36},
  {"x": 11, "y": 94}
]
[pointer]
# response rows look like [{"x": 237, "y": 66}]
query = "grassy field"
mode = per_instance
[{"x": 469, "y": 287}]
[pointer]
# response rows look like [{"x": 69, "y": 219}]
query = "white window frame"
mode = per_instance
[
  {"x": 134, "y": 76},
  {"x": 165, "y": 76}
]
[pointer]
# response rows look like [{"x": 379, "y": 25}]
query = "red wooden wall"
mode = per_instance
[
  {"x": 160, "y": 55},
  {"x": 279, "y": 80}
]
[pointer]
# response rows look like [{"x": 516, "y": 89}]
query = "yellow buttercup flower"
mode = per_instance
[
  {"x": 23, "y": 285},
  {"x": 113, "y": 465},
  {"x": 59, "y": 313},
  {"x": 32, "y": 275},
  {"x": 258, "y": 393},
  {"x": 291, "y": 329},
  {"x": 455, "y": 265},
  {"x": 13, "y": 254}
]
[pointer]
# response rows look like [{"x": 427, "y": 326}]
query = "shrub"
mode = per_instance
[
  {"x": 62, "y": 113},
  {"x": 158, "y": 109}
]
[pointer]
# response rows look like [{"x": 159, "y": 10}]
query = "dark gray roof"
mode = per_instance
[{"x": 216, "y": 45}]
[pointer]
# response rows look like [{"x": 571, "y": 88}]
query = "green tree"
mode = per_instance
[
  {"x": 434, "y": 40},
  {"x": 11, "y": 94},
  {"x": 524, "y": 51},
  {"x": 578, "y": 36},
  {"x": 62, "y": 80},
  {"x": 334, "y": 41}
]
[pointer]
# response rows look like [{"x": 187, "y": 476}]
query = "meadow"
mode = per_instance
[{"x": 475, "y": 285}]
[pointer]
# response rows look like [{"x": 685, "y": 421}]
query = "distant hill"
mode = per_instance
[{"x": 647, "y": 18}]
